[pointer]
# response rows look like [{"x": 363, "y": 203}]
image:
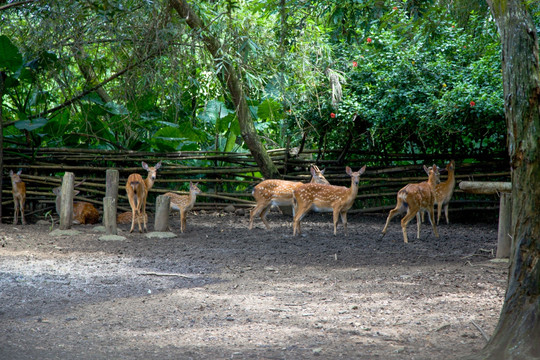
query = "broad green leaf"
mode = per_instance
[
  {"x": 30, "y": 124},
  {"x": 10, "y": 57}
]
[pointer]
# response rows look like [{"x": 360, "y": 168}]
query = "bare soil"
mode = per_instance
[{"x": 220, "y": 291}]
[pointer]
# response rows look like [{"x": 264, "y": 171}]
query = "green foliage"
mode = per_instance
[{"x": 415, "y": 76}]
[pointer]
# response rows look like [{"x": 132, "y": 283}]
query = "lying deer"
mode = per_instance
[
  {"x": 278, "y": 192},
  {"x": 326, "y": 198},
  {"x": 184, "y": 203},
  {"x": 83, "y": 212},
  {"x": 137, "y": 192},
  {"x": 416, "y": 198},
  {"x": 19, "y": 196}
]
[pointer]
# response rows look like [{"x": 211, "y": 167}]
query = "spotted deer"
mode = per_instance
[
  {"x": 83, "y": 211},
  {"x": 184, "y": 203},
  {"x": 279, "y": 193},
  {"x": 444, "y": 191},
  {"x": 416, "y": 198},
  {"x": 137, "y": 191},
  {"x": 18, "y": 189},
  {"x": 326, "y": 198}
]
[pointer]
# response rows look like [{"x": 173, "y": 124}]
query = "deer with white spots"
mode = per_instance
[
  {"x": 416, "y": 198},
  {"x": 326, "y": 198},
  {"x": 279, "y": 193},
  {"x": 137, "y": 192},
  {"x": 19, "y": 195},
  {"x": 184, "y": 203}
]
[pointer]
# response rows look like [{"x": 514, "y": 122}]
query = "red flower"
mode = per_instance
[
  {"x": 354, "y": 64},
  {"x": 368, "y": 40},
  {"x": 472, "y": 103},
  {"x": 394, "y": 8},
  {"x": 332, "y": 115}
]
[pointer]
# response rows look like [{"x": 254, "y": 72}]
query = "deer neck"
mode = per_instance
[
  {"x": 432, "y": 181},
  {"x": 148, "y": 182},
  {"x": 353, "y": 190}
]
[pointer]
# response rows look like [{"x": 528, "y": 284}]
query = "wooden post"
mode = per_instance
[
  {"x": 504, "y": 241},
  {"x": 66, "y": 207},
  {"x": 111, "y": 190},
  {"x": 162, "y": 213},
  {"x": 109, "y": 215}
]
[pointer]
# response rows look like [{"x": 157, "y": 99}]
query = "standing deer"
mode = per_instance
[
  {"x": 326, "y": 198},
  {"x": 184, "y": 203},
  {"x": 137, "y": 192},
  {"x": 83, "y": 211},
  {"x": 444, "y": 191},
  {"x": 19, "y": 195},
  {"x": 278, "y": 192},
  {"x": 416, "y": 198}
]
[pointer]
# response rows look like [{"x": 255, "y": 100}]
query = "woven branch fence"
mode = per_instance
[{"x": 228, "y": 178}]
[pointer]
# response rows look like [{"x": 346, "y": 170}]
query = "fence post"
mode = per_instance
[
  {"x": 112, "y": 184},
  {"x": 109, "y": 215},
  {"x": 66, "y": 205},
  {"x": 162, "y": 213},
  {"x": 504, "y": 241}
]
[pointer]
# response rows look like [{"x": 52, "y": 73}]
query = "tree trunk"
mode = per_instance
[
  {"x": 517, "y": 335},
  {"x": 1, "y": 140},
  {"x": 230, "y": 79}
]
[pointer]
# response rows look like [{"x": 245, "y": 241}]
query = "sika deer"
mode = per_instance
[
  {"x": 326, "y": 198},
  {"x": 19, "y": 196},
  {"x": 444, "y": 191},
  {"x": 83, "y": 211},
  {"x": 416, "y": 198},
  {"x": 184, "y": 203},
  {"x": 137, "y": 192},
  {"x": 278, "y": 192}
]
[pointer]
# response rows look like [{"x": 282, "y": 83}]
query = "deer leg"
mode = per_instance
[
  {"x": 145, "y": 218},
  {"x": 432, "y": 219},
  {"x": 392, "y": 213},
  {"x": 404, "y": 223},
  {"x": 182, "y": 220},
  {"x": 16, "y": 211},
  {"x": 296, "y": 222},
  {"x": 23, "y": 220},
  {"x": 439, "y": 208},
  {"x": 445, "y": 214},
  {"x": 263, "y": 216},
  {"x": 344, "y": 220},
  {"x": 258, "y": 209},
  {"x": 418, "y": 223}
]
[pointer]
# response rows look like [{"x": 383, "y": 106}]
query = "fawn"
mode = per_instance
[
  {"x": 326, "y": 198},
  {"x": 83, "y": 212},
  {"x": 19, "y": 195},
  {"x": 137, "y": 192},
  {"x": 416, "y": 198},
  {"x": 184, "y": 203},
  {"x": 278, "y": 192}
]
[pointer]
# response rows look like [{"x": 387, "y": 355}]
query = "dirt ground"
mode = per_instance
[{"x": 220, "y": 291}]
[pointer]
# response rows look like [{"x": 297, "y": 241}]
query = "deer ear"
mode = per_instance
[
  {"x": 426, "y": 169},
  {"x": 19, "y": 172},
  {"x": 145, "y": 165},
  {"x": 10, "y": 172},
  {"x": 362, "y": 170},
  {"x": 312, "y": 170},
  {"x": 348, "y": 171},
  {"x": 158, "y": 165}
]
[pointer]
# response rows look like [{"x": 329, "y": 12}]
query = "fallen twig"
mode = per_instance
[
  {"x": 169, "y": 274},
  {"x": 480, "y": 329}
]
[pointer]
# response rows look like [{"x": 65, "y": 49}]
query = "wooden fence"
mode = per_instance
[{"x": 228, "y": 178}]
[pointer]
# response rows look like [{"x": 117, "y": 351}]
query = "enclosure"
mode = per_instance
[{"x": 221, "y": 291}]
